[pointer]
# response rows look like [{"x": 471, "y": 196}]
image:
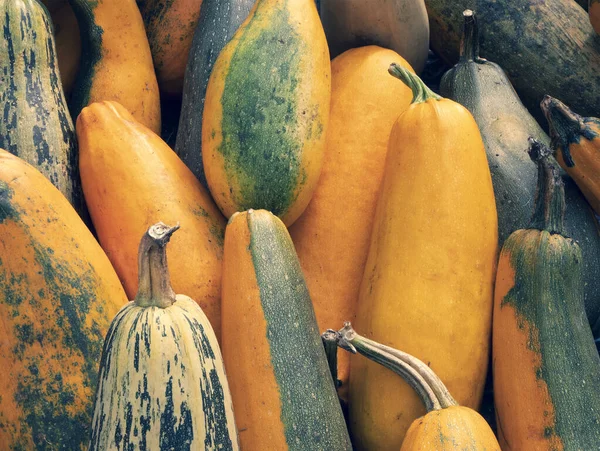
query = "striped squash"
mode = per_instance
[
  {"x": 266, "y": 111},
  {"x": 58, "y": 293},
  {"x": 162, "y": 383},
  {"x": 35, "y": 124},
  {"x": 282, "y": 389}
]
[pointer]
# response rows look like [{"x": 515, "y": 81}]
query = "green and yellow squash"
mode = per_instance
[
  {"x": 576, "y": 142},
  {"x": 505, "y": 124},
  {"x": 428, "y": 282},
  {"x": 116, "y": 62},
  {"x": 162, "y": 383},
  {"x": 266, "y": 111},
  {"x": 35, "y": 124},
  {"x": 546, "y": 47},
  {"x": 58, "y": 294},
  {"x": 283, "y": 393},
  {"x": 219, "y": 20},
  {"x": 446, "y": 426},
  {"x": 546, "y": 366},
  {"x": 399, "y": 25}
]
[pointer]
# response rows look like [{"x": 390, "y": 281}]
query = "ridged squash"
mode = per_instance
[
  {"x": 505, "y": 124},
  {"x": 35, "y": 124},
  {"x": 594, "y": 12},
  {"x": 576, "y": 141},
  {"x": 511, "y": 35},
  {"x": 170, "y": 28},
  {"x": 400, "y": 25},
  {"x": 219, "y": 20},
  {"x": 58, "y": 294},
  {"x": 132, "y": 177},
  {"x": 68, "y": 44},
  {"x": 162, "y": 383},
  {"x": 428, "y": 282},
  {"x": 446, "y": 426},
  {"x": 333, "y": 234},
  {"x": 546, "y": 366},
  {"x": 116, "y": 63},
  {"x": 266, "y": 111},
  {"x": 283, "y": 393}
]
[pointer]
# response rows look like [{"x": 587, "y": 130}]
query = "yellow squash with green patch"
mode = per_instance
[{"x": 266, "y": 111}]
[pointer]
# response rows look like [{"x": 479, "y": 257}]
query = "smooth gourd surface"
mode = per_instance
[
  {"x": 283, "y": 393},
  {"x": 333, "y": 234},
  {"x": 58, "y": 294},
  {"x": 594, "y": 12},
  {"x": 428, "y": 283},
  {"x": 266, "y": 111}
]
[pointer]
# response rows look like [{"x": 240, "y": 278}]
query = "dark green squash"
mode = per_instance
[
  {"x": 35, "y": 123},
  {"x": 546, "y": 47},
  {"x": 505, "y": 124},
  {"x": 219, "y": 20}
]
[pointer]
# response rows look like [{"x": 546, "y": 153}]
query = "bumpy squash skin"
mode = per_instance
[
  {"x": 132, "y": 177},
  {"x": 266, "y": 111},
  {"x": 505, "y": 124},
  {"x": 594, "y": 12},
  {"x": 450, "y": 429},
  {"x": 219, "y": 20},
  {"x": 546, "y": 367},
  {"x": 170, "y": 28},
  {"x": 58, "y": 293},
  {"x": 35, "y": 124},
  {"x": 333, "y": 234},
  {"x": 511, "y": 35},
  {"x": 428, "y": 283},
  {"x": 116, "y": 63},
  {"x": 283, "y": 394},
  {"x": 400, "y": 25}
]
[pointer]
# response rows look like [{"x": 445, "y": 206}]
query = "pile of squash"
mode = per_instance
[{"x": 194, "y": 194}]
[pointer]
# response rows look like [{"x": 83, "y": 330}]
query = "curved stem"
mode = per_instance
[
  {"x": 550, "y": 195},
  {"x": 421, "y": 93},
  {"x": 154, "y": 283},
  {"x": 330, "y": 343},
  {"x": 349, "y": 340},
  {"x": 469, "y": 45},
  {"x": 566, "y": 126}
]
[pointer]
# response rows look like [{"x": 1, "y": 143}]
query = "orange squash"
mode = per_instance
[
  {"x": 332, "y": 236},
  {"x": 116, "y": 61},
  {"x": 428, "y": 281},
  {"x": 58, "y": 294},
  {"x": 131, "y": 176},
  {"x": 594, "y": 12}
]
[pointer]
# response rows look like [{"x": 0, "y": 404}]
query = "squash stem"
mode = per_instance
[
  {"x": 330, "y": 343},
  {"x": 565, "y": 126},
  {"x": 349, "y": 340},
  {"x": 421, "y": 93},
  {"x": 469, "y": 46},
  {"x": 154, "y": 282},
  {"x": 550, "y": 196}
]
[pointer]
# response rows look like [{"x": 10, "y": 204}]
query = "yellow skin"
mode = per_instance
[{"x": 428, "y": 284}]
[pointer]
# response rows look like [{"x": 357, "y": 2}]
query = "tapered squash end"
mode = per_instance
[{"x": 565, "y": 126}]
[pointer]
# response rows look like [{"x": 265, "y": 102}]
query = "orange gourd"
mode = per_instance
[
  {"x": 130, "y": 176},
  {"x": 332, "y": 236},
  {"x": 594, "y": 12}
]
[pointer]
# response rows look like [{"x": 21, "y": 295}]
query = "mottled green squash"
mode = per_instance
[
  {"x": 505, "y": 124},
  {"x": 35, "y": 123}
]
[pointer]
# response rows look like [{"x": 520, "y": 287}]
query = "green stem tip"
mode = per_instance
[{"x": 421, "y": 93}]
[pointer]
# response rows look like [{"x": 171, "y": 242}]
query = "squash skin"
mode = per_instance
[
  {"x": 412, "y": 295},
  {"x": 333, "y": 234},
  {"x": 265, "y": 149},
  {"x": 450, "y": 429},
  {"x": 58, "y": 293},
  {"x": 283, "y": 394},
  {"x": 400, "y": 25},
  {"x": 170, "y": 28},
  {"x": 577, "y": 143},
  {"x": 511, "y": 35},
  {"x": 36, "y": 125},
  {"x": 594, "y": 12},
  {"x": 131, "y": 176},
  {"x": 116, "y": 63},
  {"x": 505, "y": 124},
  {"x": 219, "y": 20}
]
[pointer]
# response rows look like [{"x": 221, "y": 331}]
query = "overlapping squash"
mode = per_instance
[
  {"x": 58, "y": 294},
  {"x": 131, "y": 177},
  {"x": 266, "y": 111}
]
